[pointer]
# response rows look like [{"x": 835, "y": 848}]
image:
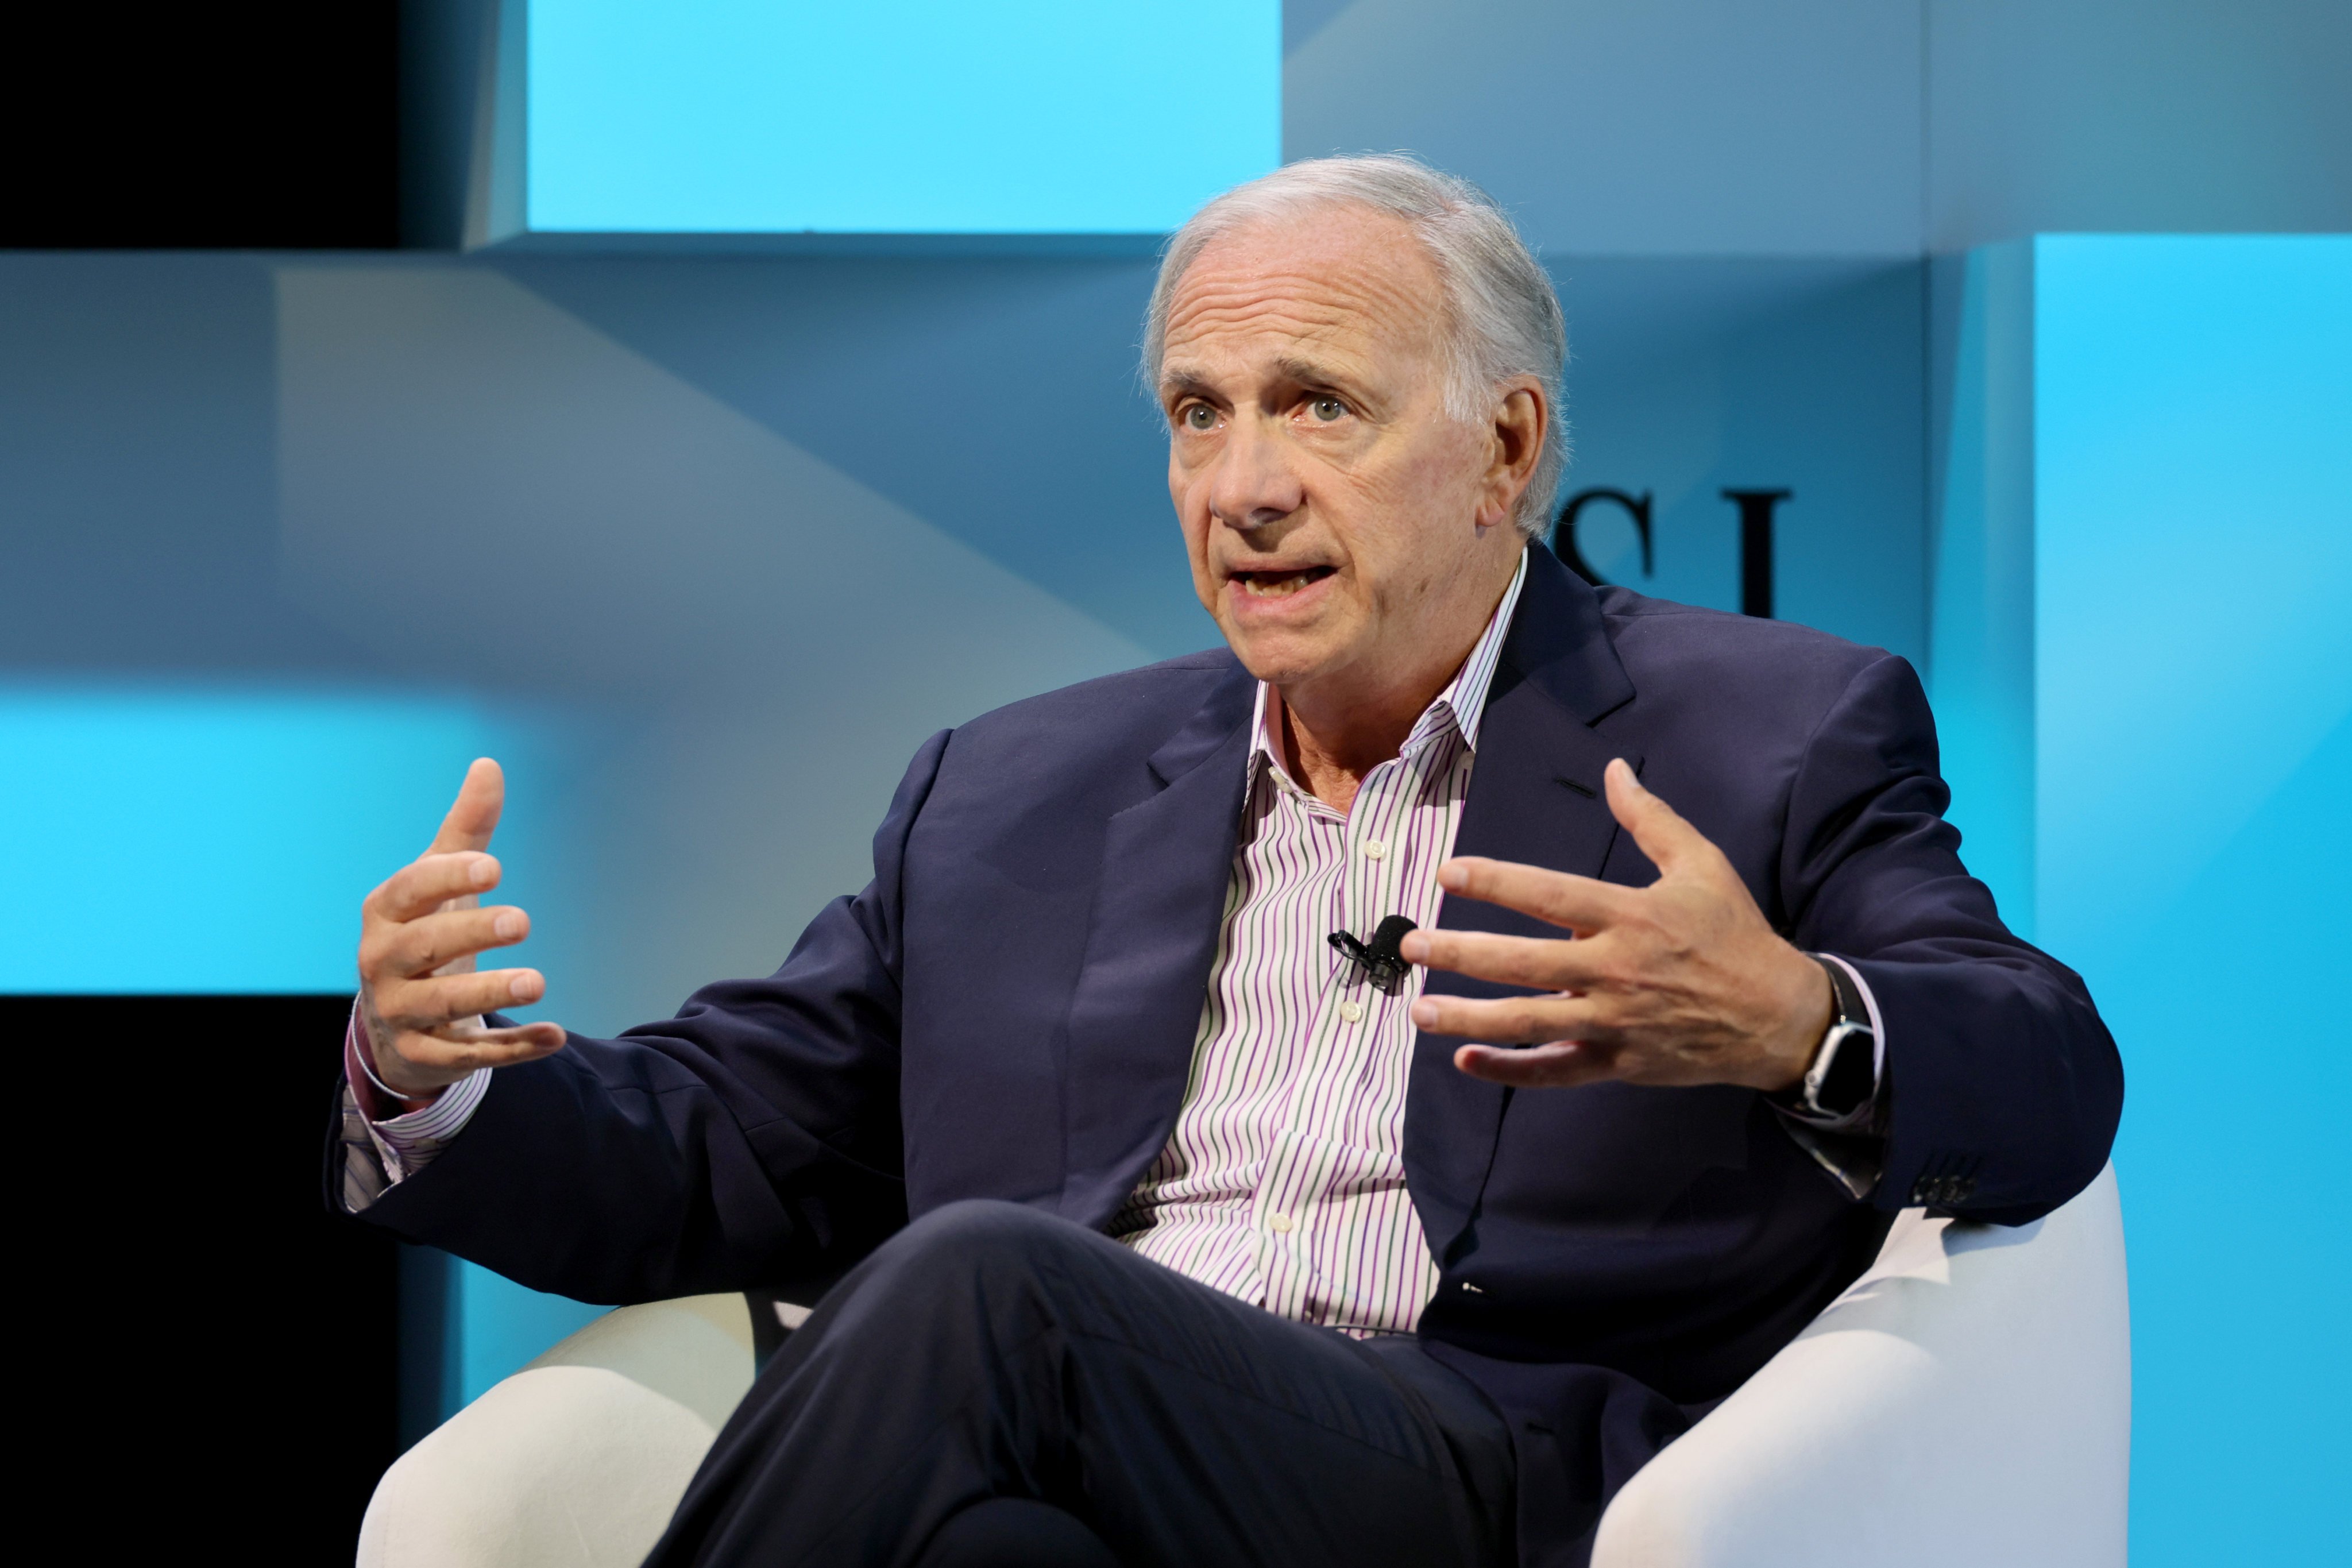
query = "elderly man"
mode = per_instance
[{"x": 1175, "y": 1216}]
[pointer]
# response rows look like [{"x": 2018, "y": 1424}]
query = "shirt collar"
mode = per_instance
[{"x": 1461, "y": 705}]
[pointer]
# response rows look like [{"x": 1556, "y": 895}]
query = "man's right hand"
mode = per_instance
[{"x": 421, "y": 998}]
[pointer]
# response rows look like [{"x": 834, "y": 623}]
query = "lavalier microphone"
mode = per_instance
[{"x": 1378, "y": 956}]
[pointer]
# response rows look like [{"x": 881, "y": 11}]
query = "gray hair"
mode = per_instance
[{"x": 1503, "y": 319}]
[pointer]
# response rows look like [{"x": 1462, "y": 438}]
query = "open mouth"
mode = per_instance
[{"x": 1280, "y": 585}]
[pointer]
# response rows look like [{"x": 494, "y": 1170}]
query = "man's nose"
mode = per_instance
[{"x": 1256, "y": 481}]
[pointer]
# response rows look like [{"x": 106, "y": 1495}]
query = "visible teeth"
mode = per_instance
[{"x": 1262, "y": 586}]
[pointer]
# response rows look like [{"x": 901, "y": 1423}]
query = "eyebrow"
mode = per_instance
[
  {"x": 1307, "y": 372},
  {"x": 1176, "y": 384}
]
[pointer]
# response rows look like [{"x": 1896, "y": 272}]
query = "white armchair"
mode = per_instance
[
  {"x": 1968, "y": 1400},
  {"x": 577, "y": 1460}
]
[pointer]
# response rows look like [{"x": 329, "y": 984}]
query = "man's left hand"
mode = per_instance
[{"x": 1682, "y": 981}]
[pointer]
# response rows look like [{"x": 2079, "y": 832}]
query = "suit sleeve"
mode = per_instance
[
  {"x": 2005, "y": 1087},
  {"x": 751, "y": 1140}
]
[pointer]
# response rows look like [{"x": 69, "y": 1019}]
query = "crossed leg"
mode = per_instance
[{"x": 990, "y": 1356}]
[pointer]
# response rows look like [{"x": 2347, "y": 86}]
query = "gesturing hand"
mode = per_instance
[
  {"x": 420, "y": 997},
  {"x": 1682, "y": 982}
]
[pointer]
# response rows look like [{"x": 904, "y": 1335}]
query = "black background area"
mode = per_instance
[
  {"x": 214, "y": 1354},
  {"x": 264, "y": 126}
]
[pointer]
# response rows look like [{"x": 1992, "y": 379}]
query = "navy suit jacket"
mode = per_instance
[{"x": 1008, "y": 1011}]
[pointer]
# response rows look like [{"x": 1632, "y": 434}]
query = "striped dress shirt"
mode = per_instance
[{"x": 1283, "y": 1182}]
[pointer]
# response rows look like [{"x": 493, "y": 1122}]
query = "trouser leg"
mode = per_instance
[
  {"x": 1015, "y": 1533},
  {"x": 991, "y": 1352}
]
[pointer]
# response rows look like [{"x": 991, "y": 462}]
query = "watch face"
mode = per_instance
[{"x": 1849, "y": 1072}]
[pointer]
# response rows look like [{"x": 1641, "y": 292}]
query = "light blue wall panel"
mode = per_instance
[
  {"x": 1980, "y": 672},
  {"x": 204, "y": 839},
  {"x": 1844, "y": 127},
  {"x": 1736, "y": 128},
  {"x": 2193, "y": 719},
  {"x": 306, "y": 535},
  {"x": 995, "y": 398},
  {"x": 894, "y": 116},
  {"x": 2134, "y": 116}
]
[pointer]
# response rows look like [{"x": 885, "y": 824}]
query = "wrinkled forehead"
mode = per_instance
[{"x": 1343, "y": 281}]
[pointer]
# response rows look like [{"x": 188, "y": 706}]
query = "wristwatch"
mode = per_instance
[{"x": 1845, "y": 1072}]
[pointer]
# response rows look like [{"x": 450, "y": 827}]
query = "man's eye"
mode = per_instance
[
  {"x": 1328, "y": 408},
  {"x": 1201, "y": 416}
]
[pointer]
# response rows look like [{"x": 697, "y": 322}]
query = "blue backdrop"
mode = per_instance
[{"x": 2193, "y": 720}]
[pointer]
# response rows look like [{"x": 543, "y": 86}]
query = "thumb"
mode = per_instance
[
  {"x": 1660, "y": 831},
  {"x": 474, "y": 815}
]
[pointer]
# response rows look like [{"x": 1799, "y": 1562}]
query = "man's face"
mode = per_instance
[{"x": 1342, "y": 526}]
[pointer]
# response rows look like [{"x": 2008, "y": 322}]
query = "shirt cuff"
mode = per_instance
[
  {"x": 407, "y": 1142},
  {"x": 380, "y": 1152}
]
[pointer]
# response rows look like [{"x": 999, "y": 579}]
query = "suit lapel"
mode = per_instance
[
  {"x": 1136, "y": 1009},
  {"x": 1535, "y": 798}
]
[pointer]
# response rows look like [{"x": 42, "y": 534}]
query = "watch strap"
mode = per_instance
[{"x": 1844, "y": 1071}]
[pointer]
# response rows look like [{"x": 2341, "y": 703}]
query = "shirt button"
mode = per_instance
[
  {"x": 1280, "y": 1222},
  {"x": 1351, "y": 1011},
  {"x": 1376, "y": 849}
]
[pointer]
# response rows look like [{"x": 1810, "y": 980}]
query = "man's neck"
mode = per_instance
[
  {"x": 1332, "y": 765},
  {"x": 1329, "y": 736}
]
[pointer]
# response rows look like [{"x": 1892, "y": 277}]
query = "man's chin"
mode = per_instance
[{"x": 1284, "y": 657}]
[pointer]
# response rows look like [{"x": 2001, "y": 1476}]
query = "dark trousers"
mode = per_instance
[{"x": 995, "y": 1385}]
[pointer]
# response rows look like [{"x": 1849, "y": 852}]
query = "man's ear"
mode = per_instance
[{"x": 1518, "y": 442}]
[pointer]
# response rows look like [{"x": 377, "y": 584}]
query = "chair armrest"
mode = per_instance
[
  {"x": 577, "y": 1460},
  {"x": 1967, "y": 1401}
]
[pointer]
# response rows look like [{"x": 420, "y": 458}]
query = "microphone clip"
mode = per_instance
[{"x": 1378, "y": 957}]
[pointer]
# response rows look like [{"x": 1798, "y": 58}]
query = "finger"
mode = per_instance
[
  {"x": 1657, "y": 829},
  {"x": 1510, "y": 1020},
  {"x": 1562, "y": 1064},
  {"x": 1579, "y": 903},
  {"x": 404, "y": 950},
  {"x": 424, "y": 885},
  {"x": 427, "y": 1062},
  {"x": 474, "y": 815},
  {"x": 437, "y": 1001},
  {"x": 1539, "y": 964}
]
